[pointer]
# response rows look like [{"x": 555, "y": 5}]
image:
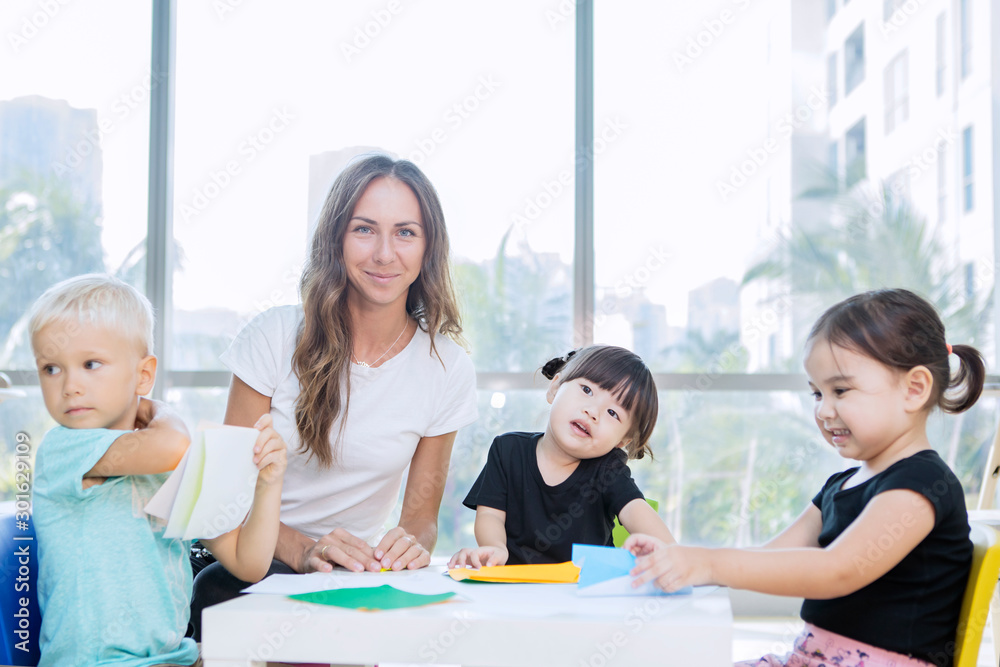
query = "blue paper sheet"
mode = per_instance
[{"x": 604, "y": 571}]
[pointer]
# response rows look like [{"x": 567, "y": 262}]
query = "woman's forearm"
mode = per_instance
[
  {"x": 425, "y": 530},
  {"x": 291, "y": 547}
]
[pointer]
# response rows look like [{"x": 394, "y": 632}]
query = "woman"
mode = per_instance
[{"x": 359, "y": 380}]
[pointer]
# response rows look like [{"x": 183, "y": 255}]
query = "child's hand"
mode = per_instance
[
  {"x": 671, "y": 566},
  {"x": 479, "y": 557},
  {"x": 157, "y": 415},
  {"x": 639, "y": 544},
  {"x": 269, "y": 452}
]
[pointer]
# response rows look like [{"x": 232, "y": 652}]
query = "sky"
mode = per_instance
[{"x": 480, "y": 96}]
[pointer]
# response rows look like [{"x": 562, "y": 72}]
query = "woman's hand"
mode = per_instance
[
  {"x": 670, "y": 566},
  {"x": 479, "y": 557},
  {"x": 146, "y": 412},
  {"x": 158, "y": 415},
  {"x": 269, "y": 453},
  {"x": 399, "y": 550},
  {"x": 338, "y": 548}
]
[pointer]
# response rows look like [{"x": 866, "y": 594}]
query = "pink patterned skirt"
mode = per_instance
[{"x": 816, "y": 647}]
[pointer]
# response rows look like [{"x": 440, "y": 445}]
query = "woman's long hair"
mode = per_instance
[{"x": 324, "y": 343}]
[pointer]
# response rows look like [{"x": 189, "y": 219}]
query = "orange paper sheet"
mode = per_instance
[{"x": 553, "y": 573}]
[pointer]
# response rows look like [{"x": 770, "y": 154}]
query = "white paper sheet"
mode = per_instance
[
  {"x": 211, "y": 490},
  {"x": 412, "y": 581}
]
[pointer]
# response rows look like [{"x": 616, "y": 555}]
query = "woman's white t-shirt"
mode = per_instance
[{"x": 409, "y": 397}]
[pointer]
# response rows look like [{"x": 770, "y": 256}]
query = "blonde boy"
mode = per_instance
[{"x": 111, "y": 588}]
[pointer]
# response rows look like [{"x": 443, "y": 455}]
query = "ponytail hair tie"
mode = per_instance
[
  {"x": 553, "y": 366},
  {"x": 949, "y": 347}
]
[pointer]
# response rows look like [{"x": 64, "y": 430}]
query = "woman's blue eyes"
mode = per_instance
[{"x": 365, "y": 229}]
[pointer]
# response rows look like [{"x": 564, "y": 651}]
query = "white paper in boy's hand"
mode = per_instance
[
  {"x": 211, "y": 490},
  {"x": 159, "y": 505}
]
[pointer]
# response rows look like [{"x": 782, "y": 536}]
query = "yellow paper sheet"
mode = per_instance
[{"x": 551, "y": 573}]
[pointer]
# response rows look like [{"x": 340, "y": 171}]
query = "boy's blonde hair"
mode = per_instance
[{"x": 100, "y": 299}]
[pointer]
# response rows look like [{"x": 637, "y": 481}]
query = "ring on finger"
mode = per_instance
[{"x": 322, "y": 552}]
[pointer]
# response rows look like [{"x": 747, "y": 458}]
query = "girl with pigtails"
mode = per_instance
[{"x": 882, "y": 554}]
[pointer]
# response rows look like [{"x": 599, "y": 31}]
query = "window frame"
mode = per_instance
[{"x": 160, "y": 223}]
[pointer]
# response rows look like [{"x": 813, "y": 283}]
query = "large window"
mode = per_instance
[
  {"x": 74, "y": 150},
  {"x": 730, "y": 185},
  {"x": 854, "y": 60},
  {"x": 831, "y": 78},
  {"x": 940, "y": 54},
  {"x": 968, "y": 175},
  {"x": 897, "y": 92},
  {"x": 965, "y": 37},
  {"x": 855, "y": 157},
  {"x": 262, "y": 161}
]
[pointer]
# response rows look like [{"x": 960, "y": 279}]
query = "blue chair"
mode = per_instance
[{"x": 20, "y": 619}]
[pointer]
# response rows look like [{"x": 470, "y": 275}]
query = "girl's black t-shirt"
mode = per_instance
[
  {"x": 912, "y": 609},
  {"x": 543, "y": 522}
]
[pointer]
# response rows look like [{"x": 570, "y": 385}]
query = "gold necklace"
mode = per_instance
[{"x": 364, "y": 364}]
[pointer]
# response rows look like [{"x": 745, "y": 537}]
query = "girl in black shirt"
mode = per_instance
[
  {"x": 542, "y": 492},
  {"x": 882, "y": 554}
]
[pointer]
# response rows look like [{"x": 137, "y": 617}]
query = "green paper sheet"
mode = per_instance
[{"x": 371, "y": 599}]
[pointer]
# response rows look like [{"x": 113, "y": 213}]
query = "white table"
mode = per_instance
[{"x": 493, "y": 625}]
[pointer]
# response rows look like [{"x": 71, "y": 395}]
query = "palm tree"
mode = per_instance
[{"x": 870, "y": 238}]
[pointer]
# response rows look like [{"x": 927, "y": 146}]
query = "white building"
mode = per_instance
[{"x": 914, "y": 109}]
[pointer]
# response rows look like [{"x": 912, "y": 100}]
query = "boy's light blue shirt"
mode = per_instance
[{"x": 112, "y": 590}]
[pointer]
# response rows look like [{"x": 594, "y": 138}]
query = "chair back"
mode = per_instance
[
  {"x": 20, "y": 620},
  {"x": 978, "y": 593},
  {"x": 619, "y": 534}
]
